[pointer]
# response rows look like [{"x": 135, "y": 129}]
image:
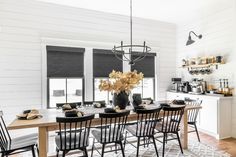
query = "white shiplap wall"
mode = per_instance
[
  {"x": 27, "y": 25},
  {"x": 218, "y": 30}
]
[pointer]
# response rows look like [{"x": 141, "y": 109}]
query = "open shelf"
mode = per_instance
[{"x": 202, "y": 65}]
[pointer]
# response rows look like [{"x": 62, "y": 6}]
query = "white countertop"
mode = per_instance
[{"x": 215, "y": 96}]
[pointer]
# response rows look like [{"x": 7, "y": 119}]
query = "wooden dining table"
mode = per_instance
[{"x": 48, "y": 123}]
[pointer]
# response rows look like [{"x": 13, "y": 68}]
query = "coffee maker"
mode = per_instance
[
  {"x": 176, "y": 84},
  {"x": 198, "y": 86},
  {"x": 186, "y": 87}
]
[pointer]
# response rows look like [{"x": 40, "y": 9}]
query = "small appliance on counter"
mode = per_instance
[
  {"x": 186, "y": 87},
  {"x": 198, "y": 86},
  {"x": 176, "y": 85}
]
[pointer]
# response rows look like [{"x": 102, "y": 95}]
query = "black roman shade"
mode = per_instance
[
  {"x": 104, "y": 61},
  {"x": 146, "y": 66},
  {"x": 65, "y": 61}
]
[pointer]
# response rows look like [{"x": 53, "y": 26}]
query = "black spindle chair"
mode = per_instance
[
  {"x": 73, "y": 134},
  {"x": 169, "y": 124},
  {"x": 110, "y": 131},
  {"x": 193, "y": 114},
  {"x": 145, "y": 125},
  {"x": 10, "y": 146}
]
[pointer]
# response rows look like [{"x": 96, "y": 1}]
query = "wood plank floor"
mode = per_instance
[{"x": 227, "y": 145}]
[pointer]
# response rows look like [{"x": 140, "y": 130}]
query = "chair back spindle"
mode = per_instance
[
  {"x": 74, "y": 131},
  {"x": 5, "y": 138},
  {"x": 192, "y": 114},
  {"x": 112, "y": 126},
  {"x": 146, "y": 121},
  {"x": 171, "y": 119}
]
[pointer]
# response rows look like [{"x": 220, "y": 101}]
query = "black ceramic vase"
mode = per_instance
[{"x": 121, "y": 99}]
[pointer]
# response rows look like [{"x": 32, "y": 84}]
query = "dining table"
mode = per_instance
[{"x": 48, "y": 123}]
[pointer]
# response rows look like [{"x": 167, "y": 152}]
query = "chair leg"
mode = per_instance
[
  {"x": 164, "y": 141},
  {"x": 2, "y": 155},
  {"x": 33, "y": 151},
  {"x": 116, "y": 148},
  {"x": 166, "y": 138},
  {"x": 103, "y": 148},
  {"x": 92, "y": 148},
  {"x": 154, "y": 142},
  {"x": 64, "y": 153},
  {"x": 125, "y": 139},
  {"x": 138, "y": 142},
  {"x": 144, "y": 142},
  {"x": 57, "y": 150},
  {"x": 85, "y": 152},
  {"x": 197, "y": 132},
  {"x": 122, "y": 149},
  {"x": 37, "y": 147},
  {"x": 179, "y": 142}
]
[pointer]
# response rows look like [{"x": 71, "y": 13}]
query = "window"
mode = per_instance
[
  {"x": 147, "y": 66},
  {"x": 104, "y": 61},
  {"x": 145, "y": 88},
  {"x": 100, "y": 95},
  {"x": 65, "y": 72},
  {"x": 63, "y": 90}
]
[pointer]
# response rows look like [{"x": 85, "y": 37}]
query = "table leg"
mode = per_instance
[
  {"x": 184, "y": 132},
  {"x": 43, "y": 141}
]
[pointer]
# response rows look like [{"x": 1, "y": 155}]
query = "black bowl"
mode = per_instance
[
  {"x": 138, "y": 107},
  {"x": 178, "y": 102},
  {"x": 26, "y": 111},
  {"x": 71, "y": 114},
  {"x": 73, "y": 105},
  {"x": 109, "y": 110},
  {"x": 164, "y": 105}
]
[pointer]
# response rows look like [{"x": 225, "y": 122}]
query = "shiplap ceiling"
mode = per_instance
[{"x": 174, "y": 11}]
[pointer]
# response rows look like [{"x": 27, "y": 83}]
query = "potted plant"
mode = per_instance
[{"x": 121, "y": 84}]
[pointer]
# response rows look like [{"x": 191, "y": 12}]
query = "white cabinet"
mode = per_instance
[
  {"x": 208, "y": 116},
  {"x": 214, "y": 117}
]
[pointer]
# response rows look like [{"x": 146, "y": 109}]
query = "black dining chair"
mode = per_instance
[
  {"x": 110, "y": 131},
  {"x": 10, "y": 146},
  {"x": 169, "y": 124},
  {"x": 193, "y": 114},
  {"x": 73, "y": 134},
  {"x": 144, "y": 127}
]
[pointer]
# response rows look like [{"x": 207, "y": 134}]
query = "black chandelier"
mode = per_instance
[{"x": 131, "y": 53}]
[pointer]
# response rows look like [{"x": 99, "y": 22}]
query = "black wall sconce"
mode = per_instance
[{"x": 190, "y": 40}]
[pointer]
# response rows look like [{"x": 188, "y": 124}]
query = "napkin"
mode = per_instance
[{"x": 29, "y": 114}]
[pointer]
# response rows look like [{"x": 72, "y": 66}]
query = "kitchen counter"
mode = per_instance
[
  {"x": 215, "y": 116},
  {"x": 208, "y": 95}
]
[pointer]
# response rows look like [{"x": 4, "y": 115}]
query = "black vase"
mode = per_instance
[{"x": 121, "y": 99}]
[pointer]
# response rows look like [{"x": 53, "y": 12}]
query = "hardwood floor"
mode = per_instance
[{"x": 227, "y": 145}]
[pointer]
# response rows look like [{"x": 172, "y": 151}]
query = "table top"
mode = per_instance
[{"x": 49, "y": 116}]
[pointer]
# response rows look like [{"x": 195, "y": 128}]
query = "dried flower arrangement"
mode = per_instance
[{"x": 121, "y": 81}]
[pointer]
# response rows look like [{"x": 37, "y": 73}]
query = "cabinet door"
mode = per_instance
[
  {"x": 172, "y": 96},
  {"x": 208, "y": 116}
]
